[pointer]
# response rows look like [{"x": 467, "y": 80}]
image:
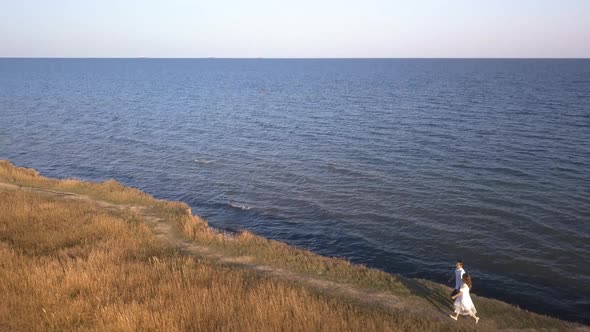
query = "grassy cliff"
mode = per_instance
[{"x": 77, "y": 255}]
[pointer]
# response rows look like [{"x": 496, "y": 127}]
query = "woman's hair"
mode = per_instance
[{"x": 467, "y": 280}]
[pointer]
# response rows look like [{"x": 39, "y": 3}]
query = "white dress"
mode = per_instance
[{"x": 463, "y": 303}]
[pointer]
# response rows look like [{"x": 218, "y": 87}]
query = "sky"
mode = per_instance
[{"x": 296, "y": 29}]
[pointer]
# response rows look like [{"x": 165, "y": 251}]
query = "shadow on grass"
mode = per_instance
[{"x": 441, "y": 301}]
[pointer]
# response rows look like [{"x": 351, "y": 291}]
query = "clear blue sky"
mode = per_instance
[{"x": 301, "y": 28}]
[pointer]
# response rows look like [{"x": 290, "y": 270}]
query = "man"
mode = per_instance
[{"x": 459, "y": 272}]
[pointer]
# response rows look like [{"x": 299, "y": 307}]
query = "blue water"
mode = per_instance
[{"x": 403, "y": 165}]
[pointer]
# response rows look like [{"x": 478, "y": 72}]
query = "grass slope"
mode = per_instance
[{"x": 74, "y": 265}]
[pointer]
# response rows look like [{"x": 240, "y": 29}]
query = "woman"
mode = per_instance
[{"x": 463, "y": 303}]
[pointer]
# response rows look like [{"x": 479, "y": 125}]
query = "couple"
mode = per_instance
[{"x": 463, "y": 304}]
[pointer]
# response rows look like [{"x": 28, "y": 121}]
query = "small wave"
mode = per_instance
[
  {"x": 241, "y": 206},
  {"x": 497, "y": 170},
  {"x": 342, "y": 170},
  {"x": 204, "y": 161}
]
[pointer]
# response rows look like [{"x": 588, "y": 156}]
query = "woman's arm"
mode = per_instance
[{"x": 457, "y": 295}]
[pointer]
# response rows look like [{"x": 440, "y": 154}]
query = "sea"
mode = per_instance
[{"x": 403, "y": 165}]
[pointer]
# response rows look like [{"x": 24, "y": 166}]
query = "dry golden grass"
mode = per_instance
[
  {"x": 110, "y": 190},
  {"x": 70, "y": 265}
]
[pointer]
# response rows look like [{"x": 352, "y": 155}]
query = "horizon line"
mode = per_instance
[{"x": 300, "y": 58}]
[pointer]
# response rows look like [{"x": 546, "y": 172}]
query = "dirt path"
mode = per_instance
[
  {"x": 173, "y": 236},
  {"x": 428, "y": 304}
]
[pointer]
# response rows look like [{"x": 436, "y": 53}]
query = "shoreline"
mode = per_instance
[{"x": 247, "y": 250}]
